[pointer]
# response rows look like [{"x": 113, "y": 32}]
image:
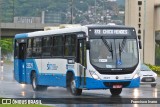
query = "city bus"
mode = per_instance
[{"x": 79, "y": 58}]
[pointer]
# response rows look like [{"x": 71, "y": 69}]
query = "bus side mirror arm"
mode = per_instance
[{"x": 88, "y": 45}]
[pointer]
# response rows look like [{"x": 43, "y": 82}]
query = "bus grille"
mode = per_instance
[{"x": 110, "y": 84}]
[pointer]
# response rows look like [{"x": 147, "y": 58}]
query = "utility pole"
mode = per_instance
[{"x": 71, "y": 5}]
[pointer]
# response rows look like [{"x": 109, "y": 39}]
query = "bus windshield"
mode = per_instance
[{"x": 114, "y": 53}]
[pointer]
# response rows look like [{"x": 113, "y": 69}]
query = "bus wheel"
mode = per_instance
[
  {"x": 116, "y": 91},
  {"x": 72, "y": 87},
  {"x": 34, "y": 83}
]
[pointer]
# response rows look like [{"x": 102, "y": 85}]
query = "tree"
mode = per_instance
[{"x": 6, "y": 46}]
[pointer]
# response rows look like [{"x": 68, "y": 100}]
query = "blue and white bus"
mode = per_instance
[{"x": 83, "y": 57}]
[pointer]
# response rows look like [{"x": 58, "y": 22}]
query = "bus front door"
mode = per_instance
[
  {"x": 21, "y": 62},
  {"x": 82, "y": 62}
]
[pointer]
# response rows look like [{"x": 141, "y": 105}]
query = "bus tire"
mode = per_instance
[
  {"x": 72, "y": 86},
  {"x": 35, "y": 86},
  {"x": 115, "y": 91}
]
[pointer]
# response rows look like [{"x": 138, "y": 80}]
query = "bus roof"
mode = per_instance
[
  {"x": 51, "y": 32},
  {"x": 109, "y": 26},
  {"x": 67, "y": 30}
]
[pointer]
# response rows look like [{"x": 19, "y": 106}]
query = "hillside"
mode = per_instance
[{"x": 81, "y": 9}]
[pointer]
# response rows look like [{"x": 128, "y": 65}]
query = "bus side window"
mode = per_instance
[
  {"x": 70, "y": 45},
  {"x": 58, "y": 46},
  {"x": 37, "y": 48},
  {"x": 29, "y": 48},
  {"x": 46, "y": 46}
]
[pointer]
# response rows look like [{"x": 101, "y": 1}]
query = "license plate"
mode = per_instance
[
  {"x": 148, "y": 79},
  {"x": 117, "y": 86}
]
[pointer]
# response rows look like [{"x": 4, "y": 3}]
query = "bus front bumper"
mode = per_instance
[{"x": 107, "y": 84}]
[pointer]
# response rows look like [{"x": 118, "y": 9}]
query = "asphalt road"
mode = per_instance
[{"x": 9, "y": 88}]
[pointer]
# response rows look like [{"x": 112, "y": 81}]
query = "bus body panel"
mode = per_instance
[
  {"x": 52, "y": 80},
  {"x": 100, "y": 84},
  {"x": 49, "y": 73},
  {"x": 19, "y": 60},
  {"x": 53, "y": 71},
  {"x": 19, "y": 73},
  {"x": 16, "y": 70},
  {"x": 31, "y": 65},
  {"x": 58, "y": 77}
]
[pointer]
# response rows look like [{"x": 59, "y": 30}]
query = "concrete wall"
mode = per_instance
[
  {"x": 24, "y": 25},
  {"x": 27, "y": 19},
  {"x": 149, "y": 45},
  {"x": 149, "y": 25},
  {"x": 132, "y": 18},
  {"x": 157, "y": 2},
  {"x": 10, "y": 29},
  {"x": 157, "y": 17}
]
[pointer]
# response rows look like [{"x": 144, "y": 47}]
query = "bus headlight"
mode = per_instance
[{"x": 94, "y": 75}]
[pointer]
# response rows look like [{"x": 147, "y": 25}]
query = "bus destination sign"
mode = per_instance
[{"x": 109, "y": 32}]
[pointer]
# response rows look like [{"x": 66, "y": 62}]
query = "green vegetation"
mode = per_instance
[
  {"x": 6, "y": 45},
  {"x": 33, "y": 8},
  {"x": 157, "y": 53},
  {"x": 29, "y": 8},
  {"x": 22, "y": 105},
  {"x": 154, "y": 68}
]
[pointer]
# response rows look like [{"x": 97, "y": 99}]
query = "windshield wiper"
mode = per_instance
[
  {"x": 107, "y": 45},
  {"x": 121, "y": 47}
]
